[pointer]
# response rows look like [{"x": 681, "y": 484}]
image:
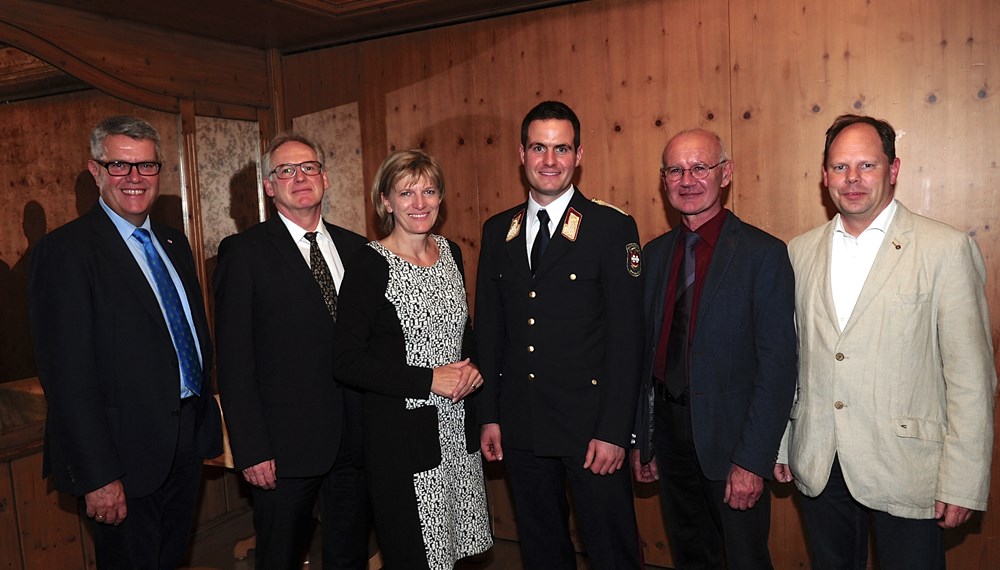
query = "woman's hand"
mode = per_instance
[{"x": 456, "y": 380}]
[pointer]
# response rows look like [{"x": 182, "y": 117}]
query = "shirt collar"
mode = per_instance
[
  {"x": 124, "y": 227},
  {"x": 711, "y": 230},
  {"x": 880, "y": 223},
  {"x": 298, "y": 233},
  {"x": 556, "y": 208}
]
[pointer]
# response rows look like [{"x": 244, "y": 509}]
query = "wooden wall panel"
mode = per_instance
[
  {"x": 50, "y": 532},
  {"x": 10, "y": 544},
  {"x": 768, "y": 76}
]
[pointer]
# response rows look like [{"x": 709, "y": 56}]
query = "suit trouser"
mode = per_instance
[
  {"x": 837, "y": 532},
  {"x": 157, "y": 528},
  {"x": 704, "y": 531},
  {"x": 604, "y": 509},
  {"x": 284, "y": 523}
]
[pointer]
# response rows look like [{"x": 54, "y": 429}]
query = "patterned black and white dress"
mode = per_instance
[{"x": 396, "y": 322}]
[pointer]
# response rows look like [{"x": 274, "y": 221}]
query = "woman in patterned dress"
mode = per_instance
[{"x": 403, "y": 337}]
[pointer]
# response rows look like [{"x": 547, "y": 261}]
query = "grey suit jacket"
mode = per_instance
[{"x": 904, "y": 395}]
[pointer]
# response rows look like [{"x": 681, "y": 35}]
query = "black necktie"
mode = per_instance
[
  {"x": 541, "y": 240},
  {"x": 676, "y": 370},
  {"x": 322, "y": 274}
]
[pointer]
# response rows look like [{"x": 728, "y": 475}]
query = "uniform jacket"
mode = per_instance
[
  {"x": 559, "y": 352},
  {"x": 904, "y": 395},
  {"x": 275, "y": 341},
  {"x": 743, "y": 359},
  {"x": 106, "y": 360}
]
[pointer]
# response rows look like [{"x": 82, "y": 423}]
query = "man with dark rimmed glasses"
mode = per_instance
[
  {"x": 294, "y": 431},
  {"x": 123, "y": 349}
]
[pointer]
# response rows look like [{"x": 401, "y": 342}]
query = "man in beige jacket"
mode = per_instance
[{"x": 893, "y": 422}]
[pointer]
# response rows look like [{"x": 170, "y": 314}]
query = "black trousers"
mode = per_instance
[
  {"x": 157, "y": 528},
  {"x": 837, "y": 532},
  {"x": 704, "y": 531},
  {"x": 284, "y": 523},
  {"x": 604, "y": 509}
]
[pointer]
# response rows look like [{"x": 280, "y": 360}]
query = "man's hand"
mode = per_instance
[
  {"x": 647, "y": 473},
  {"x": 261, "y": 475},
  {"x": 107, "y": 504},
  {"x": 489, "y": 442},
  {"x": 603, "y": 458},
  {"x": 951, "y": 516},
  {"x": 783, "y": 473},
  {"x": 743, "y": 488}
]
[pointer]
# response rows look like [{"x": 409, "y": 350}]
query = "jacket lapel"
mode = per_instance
[
  {"x": 517, "y": 246},
  {"x": 725, "y": 250},
  {"x": 560, "y": 245},
  {"x": 111, "y": 246},
  {"x": 295, "y": 267},
  {"x": 896, "y": 240}
]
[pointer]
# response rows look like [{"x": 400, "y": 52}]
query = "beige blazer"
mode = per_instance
[{"x": 904, "y": 395}]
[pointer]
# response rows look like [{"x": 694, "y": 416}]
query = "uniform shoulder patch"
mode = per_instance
[
  {"x": 600, "y": 202},
  {"x": 633, "y": 259}
]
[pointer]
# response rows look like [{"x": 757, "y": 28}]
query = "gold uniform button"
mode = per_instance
[
  {"x": 839, "y": 405},
  {"x": 572, "y": 276},
  {"x": 593, "y": 381},
  {"x": 840, "y": 356},
  {"x": 531, "y": 322},
  {"x": 531, "y": 376},
  {"x": 531, "y": 348},
  {"x": 532, "y": 294}
]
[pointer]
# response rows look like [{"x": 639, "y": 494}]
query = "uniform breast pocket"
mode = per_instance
[
  {"x": 579, "y": 284},
  {"x": 729, "y": 312}
]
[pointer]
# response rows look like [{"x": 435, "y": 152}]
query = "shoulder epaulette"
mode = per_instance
[{"x": 612, "y": 206}]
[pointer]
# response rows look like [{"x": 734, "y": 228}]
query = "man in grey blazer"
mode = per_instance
[
  {"x": 893, "y": 424},
  {"x": 719, "y": 371}
]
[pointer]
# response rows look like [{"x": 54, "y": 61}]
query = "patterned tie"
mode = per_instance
[
  {"x": 180, "y": 329},
  {"x": 541, "y": 240},
  {"x": 676, "y": 370},
  {"x": 322, "y": 274}
]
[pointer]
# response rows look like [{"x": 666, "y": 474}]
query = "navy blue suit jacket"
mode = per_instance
[
  {"x": 106, "y": 361},
  {"x": 743, "y": 354}
]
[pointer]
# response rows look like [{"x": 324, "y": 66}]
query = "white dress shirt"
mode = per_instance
[
  {"x": 852, "y": 259},
  {"x": 556, "y": 209},
  {"x": 326, "y": 247}
]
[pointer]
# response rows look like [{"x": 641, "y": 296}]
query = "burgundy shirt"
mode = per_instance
[{"x": 709, "y": 233}]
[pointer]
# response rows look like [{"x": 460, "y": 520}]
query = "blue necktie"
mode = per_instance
[{"x": 180, "y": 330}]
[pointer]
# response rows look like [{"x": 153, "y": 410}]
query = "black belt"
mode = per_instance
[{"x": 664, "y": 395}]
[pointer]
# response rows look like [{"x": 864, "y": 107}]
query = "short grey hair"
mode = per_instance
[
  {"x": 289, "y": 137},
  {"x": 132, "y": 127}
]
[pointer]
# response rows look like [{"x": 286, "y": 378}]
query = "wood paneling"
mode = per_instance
[
  {"x": 768, "y": 76},
  {"x": 141, "y": 63}
]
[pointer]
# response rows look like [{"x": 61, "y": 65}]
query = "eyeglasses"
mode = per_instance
[
  {"x": 121, "y": 168},
  {"x": 698, "y": 171},
  {"x": 286, "y": 171}
]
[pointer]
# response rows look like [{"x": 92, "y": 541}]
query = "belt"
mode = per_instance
[{"x": 664, "y": 395}]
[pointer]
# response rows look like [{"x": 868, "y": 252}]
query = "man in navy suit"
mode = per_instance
[
  {"x": 559, "y": 322},
  {"x": 122, "y": 347},
  {"x": 294, "y": 431},
  {"x": 719, "y": 365}
]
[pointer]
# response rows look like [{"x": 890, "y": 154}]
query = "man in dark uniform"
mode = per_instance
[{"x": 559, "y": 321}]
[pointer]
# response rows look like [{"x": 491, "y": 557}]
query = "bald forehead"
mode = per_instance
[{"x": 704, "y": 141}]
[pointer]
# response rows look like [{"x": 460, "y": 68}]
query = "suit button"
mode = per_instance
[
  {"x": 532, "y": 294},
  {"x": 839, "y": 405},
  {"x": 593, "y": 381},
  {"x": 572, "y": 276},
  {"x": 531, "y": 376},
  {"x": 531, "y": 322},
  {"x": 840, "y": 356},
  {"x": 531, "y": 348}
]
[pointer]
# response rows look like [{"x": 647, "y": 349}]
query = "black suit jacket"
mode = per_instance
[
  {"x": 106, "y": 361},
  {"x": 275, "y": 351},
  {"x": 560, "y": 351},
  {"x": 743, "y": 354}
]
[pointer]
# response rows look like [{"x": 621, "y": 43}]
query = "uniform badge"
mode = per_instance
[
  {"x": 633, "y": 259},
  {"x": 515, "y": 226},
  {"x": 571, "y": 225}
]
